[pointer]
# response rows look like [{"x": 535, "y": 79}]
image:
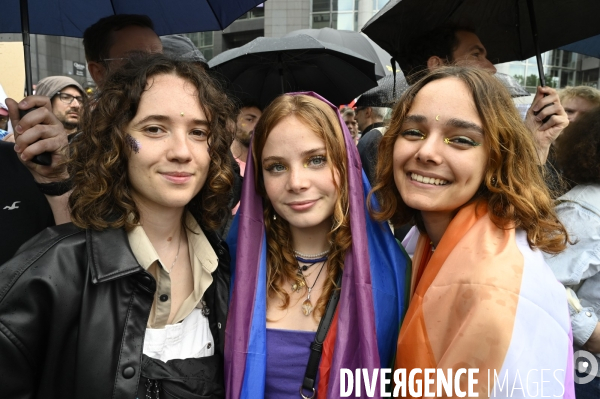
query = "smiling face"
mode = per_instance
[
  {"x": 169, "y": 160},
  {"x": 440, "y": 155},
  {"x": 298, "y": 176}
]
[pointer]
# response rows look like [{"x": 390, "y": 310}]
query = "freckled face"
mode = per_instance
[
  {"x": 440, "y": 154},
  {"x": 298, "y": 176},
  {"x": 170, "y": 132}
]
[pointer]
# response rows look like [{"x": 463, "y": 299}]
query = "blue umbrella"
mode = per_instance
[
  {"x": 590, "y": 46},
  {"x": 72, "y": 17}
]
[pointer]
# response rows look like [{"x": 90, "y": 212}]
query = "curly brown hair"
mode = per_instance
[
  {"x": 578, "y": 149},
  {"x": 282, "y": 265},
  {"x": 101, "y": 197},
  {"x": 513, "y": 186}
]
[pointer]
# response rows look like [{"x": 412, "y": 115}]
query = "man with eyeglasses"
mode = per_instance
[
  {"x": 111, "y": 40},
  {"x": 67, "y": 97}
]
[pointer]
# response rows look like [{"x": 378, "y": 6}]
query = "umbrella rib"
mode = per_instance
[{"x": 214, "y": 13}]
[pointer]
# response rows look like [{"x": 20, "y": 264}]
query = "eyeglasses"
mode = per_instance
[{"x": 68, "y": 99}]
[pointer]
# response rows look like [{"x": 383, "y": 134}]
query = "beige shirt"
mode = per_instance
[{"x": 203, "y": 259}]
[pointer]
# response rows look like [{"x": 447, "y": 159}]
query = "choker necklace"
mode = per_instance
[
  {"x": 311, "y": 259},
  {"x": 307, "y": 306},
  {"x": 177, "y": 255}
]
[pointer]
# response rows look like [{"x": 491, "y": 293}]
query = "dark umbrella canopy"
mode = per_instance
[
  {"x": 268, "y": 67},
  {"x": 72, "y": 17},
  {"x": 383, "y": 94},
  {"x": 355, "y": 41},
  {"x": 502, "y": 25},
  {"x": 386, "y": 94},
  {"x": 590, "y": 46}
]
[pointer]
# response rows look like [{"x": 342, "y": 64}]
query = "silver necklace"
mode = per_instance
[
  {"x": 307, "y": 306},
  {"x": 177, "y": 255}
]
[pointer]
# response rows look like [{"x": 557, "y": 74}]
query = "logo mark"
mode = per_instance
[
  {"x": 13, "y": 206},
  {"x": 585, "y": 362}
]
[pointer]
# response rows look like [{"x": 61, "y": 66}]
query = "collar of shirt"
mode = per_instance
[{"x": 204, "y": 262}]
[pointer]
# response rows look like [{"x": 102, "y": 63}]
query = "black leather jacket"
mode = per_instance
[{"x": 74, "y": 305}]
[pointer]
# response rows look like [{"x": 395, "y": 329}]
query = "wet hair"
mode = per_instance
[
  {"x": 513, "y": 186},
  {"x": 101, "y": 197},
  {"x": 281, "y": 262},
  {"x": 587, "y": 93},
  {"x": 578, "y": 149},
  {"x": 99, "y": 38},
  {"x": 440, "y": 42}
]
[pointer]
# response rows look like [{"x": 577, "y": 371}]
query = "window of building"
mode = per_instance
[
  {"x": 336, "y": 14},
  {"x": 204, "y": 41},
  {"x": 256, "y": 12}
]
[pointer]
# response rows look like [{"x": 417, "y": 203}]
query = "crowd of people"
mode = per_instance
[{"x": 184, "y": 243}]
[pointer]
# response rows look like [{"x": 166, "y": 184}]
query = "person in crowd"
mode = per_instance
[
  {"x": 578, "y": 267},
  {"x": 579, "y": 99},
  {"x": 131, "y": 299},
  {"x": 453, "y": 45},
  {"x": 247, "y": 118},
  {"x": 301, "y": 222},
  {"x": 3, "y": 121},
  {"x": 370, "y": 123},
  {"x": 181, "y": 47},
  {"x": 350, "y": 120},
  {"x": 458, "y": 163},
  {"x": 67, "y": 97},
  {"x": 109, "y": 42},
  {"x": 33, "y": 196}
]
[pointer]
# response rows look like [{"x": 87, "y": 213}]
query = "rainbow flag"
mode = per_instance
[
  {"x": 485, "y": 300},
  {"x": 372, "y": 300}
]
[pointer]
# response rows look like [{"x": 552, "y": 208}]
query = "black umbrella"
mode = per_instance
[
  {"x": 355, "y": 41},
  {"x": 386, "y": 94},
  {"x": 509, "y": 29},
  {"x": 268, "y": 67}
]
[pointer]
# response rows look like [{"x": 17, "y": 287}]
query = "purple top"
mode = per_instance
[{"x": 287, "y": 356}]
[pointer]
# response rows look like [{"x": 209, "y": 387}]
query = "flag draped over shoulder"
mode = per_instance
[
  {"x": 485, "y": 300},
  {"x": 365, "y": 329}
]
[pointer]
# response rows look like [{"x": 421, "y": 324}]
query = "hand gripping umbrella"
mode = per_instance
[
  {"x": 267, "y": 67},
  {"x": 509, "y": 29}
]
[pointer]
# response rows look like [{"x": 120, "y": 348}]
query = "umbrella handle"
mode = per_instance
[
  {"x": 535, "y": 42},
  {"x": 26, "y": 46}
]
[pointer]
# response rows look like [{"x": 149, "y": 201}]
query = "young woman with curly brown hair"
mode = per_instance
[
  {"x": 458, "y": 162},
  {"x": 578, "y": 267},
  {"x": 131, "y": 299},
  {"x": 302, "y": 225}
]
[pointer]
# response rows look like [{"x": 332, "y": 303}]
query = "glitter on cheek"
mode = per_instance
[{"x": 133, "y": 143}]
